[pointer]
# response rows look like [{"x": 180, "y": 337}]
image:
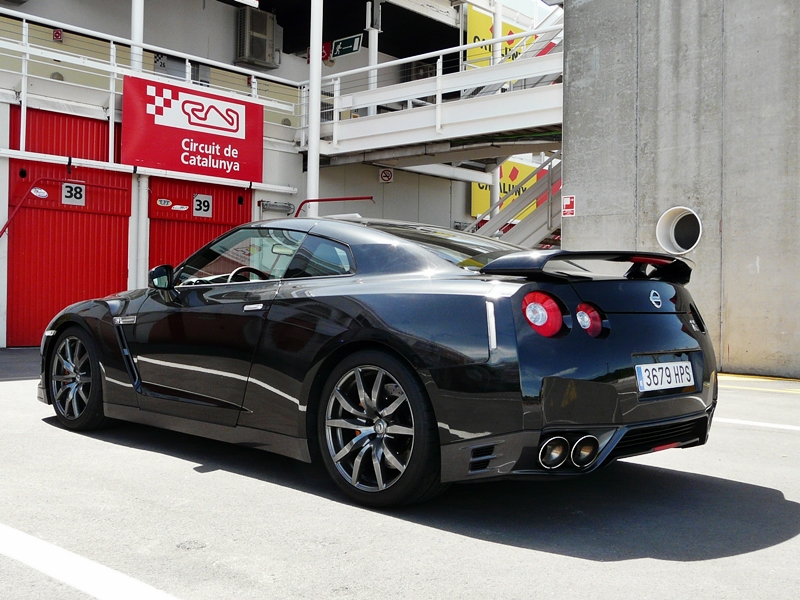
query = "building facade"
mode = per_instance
[
  {"x": 679, "y": 103},
  {"x": 91, "y": 198}
]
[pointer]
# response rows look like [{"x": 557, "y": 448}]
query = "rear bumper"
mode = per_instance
[{"x": 515, "y": 455}]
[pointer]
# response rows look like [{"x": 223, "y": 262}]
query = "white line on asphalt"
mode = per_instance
[
  {"x": 80, "y": 573},
  {"x": 757, "y": 424},
  {"x": 759, "y": 389}
]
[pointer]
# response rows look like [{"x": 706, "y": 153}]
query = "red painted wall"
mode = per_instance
[
  {"x": 175, "y": 234},
  {"x": 60, "y": 254},
  {"x": 64, "y": 135}
]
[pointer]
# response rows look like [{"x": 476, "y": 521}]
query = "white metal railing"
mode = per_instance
[
  {"x": 352, "y": 94},
  {"x": 94, "y": 64},
  {"x": 97, "y": 62},
  {"x": 86, "y": 70}
]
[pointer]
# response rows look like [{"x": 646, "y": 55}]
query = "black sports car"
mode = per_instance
[{"x": 405, "y": 356}]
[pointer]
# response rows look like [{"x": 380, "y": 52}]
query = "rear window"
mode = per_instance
[
  {"x": 466, "y": 250},
  {"x": 320, "y": 257}
]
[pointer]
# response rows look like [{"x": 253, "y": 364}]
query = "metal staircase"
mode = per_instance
[
  {"x": 446, "y": 106},
  {"x": 549, "y": 42},
  {"x": 504, "y": 221}
]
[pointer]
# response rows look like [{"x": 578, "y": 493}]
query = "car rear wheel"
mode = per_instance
[
  {"x": 377, "y": 432},
  {"x": 73, "y": 380}
]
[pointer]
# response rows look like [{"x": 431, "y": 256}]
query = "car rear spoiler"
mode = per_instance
[{"x": 531, "y": 264}]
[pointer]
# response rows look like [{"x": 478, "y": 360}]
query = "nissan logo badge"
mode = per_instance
[{"x": 655, "y": 298}]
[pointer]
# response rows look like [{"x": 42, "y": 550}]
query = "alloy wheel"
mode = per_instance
[
  {"x": 71, "y": 378},
  {"x": 369, "y": 428}
]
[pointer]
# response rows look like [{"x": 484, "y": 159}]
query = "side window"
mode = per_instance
[
  {"x": 243, "y": 255},
  {"x": 318, "y": 257}
]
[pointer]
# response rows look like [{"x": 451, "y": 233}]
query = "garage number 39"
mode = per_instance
[{"x": 202, "y": 205}]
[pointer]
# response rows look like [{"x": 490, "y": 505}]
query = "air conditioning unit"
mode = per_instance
[
  {"x": 419, "y": 69},
  {"x": 259, "y": 38}
]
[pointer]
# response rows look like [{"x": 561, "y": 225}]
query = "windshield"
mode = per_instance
[{"x": 466, "y": 250}]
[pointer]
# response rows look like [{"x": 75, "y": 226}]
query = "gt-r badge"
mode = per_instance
[{"x": 655, "y": 298}]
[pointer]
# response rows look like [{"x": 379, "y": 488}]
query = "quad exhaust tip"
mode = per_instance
[
  {"x": 585, "y": 451},
  {"x": 556, "y": 451}
]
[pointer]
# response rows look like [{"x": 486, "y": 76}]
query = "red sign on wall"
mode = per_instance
[{"x": 171, "y": 127}]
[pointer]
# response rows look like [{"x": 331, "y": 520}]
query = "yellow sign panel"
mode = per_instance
[
  {"x": 511, "y": 173},
  {"x": 480, "y": 27}
]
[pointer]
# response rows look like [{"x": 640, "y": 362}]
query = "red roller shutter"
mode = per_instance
[
  {"x": 64, "y": 135},
  {"x": 59, "y": 253},
  {"x": 176, "y": 232}
]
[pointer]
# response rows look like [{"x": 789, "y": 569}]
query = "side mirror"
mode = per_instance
[{"x": 160, "y": 277}]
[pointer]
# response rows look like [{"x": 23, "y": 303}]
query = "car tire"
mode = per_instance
[
  {"x": 73, "y": 381},
  {"x": 377, "y": 432}
]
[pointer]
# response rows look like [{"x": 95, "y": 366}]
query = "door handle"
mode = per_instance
[{"x": 249, "y": 307}]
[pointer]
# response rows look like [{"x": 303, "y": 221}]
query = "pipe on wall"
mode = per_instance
[{"x": 314, "y": 105}]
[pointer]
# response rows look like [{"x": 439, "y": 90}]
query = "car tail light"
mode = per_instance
[
  {"x": 542, "y": 313},
  {"x": 589, "y": 319}
]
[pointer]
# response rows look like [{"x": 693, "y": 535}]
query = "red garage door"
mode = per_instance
[
  {"x": 64, "y": 135},
  {"x": 68, "y": 242},
  {"x": 185, "y": 216}
]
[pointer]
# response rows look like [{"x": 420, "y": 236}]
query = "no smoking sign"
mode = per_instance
[{"x": 386, "y": 175}]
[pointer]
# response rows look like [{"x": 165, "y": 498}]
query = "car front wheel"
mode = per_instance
[
  {"x": 73, "y": 380},
  {"x": 377, "y": 432}
]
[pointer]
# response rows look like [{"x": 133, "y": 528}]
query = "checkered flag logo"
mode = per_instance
[
  {"x": 182, "y": 109},
  {"x": 158, "y": 101}
]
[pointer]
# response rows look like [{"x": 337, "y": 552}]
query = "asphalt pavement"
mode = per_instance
[{"x": 137, "y": 512}]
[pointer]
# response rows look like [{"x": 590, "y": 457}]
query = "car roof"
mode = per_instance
[
  {"x": 351, "y": 224},
  {"x": 376, "y": 251}
]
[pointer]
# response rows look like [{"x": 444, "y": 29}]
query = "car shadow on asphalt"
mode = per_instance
[{"x": 626, "y": 511}]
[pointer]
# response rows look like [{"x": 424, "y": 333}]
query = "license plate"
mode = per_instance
[{"x": 663, "y": 376}]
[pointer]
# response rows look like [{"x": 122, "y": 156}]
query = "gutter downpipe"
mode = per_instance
[
  {"x": 143, "y": 228},
  {"x": 314, "y": 106},
  {"x": 138, "y": 226}
]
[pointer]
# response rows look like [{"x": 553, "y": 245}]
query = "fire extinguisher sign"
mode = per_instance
[{"x": 567, "y": 206}]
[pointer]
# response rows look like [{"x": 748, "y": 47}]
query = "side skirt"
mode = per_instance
[{"x": 285, "y": 445}]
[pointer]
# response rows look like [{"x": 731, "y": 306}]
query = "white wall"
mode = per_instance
[
  {"x": 411, "y": 197},
  {"x": 282, "y": 166},
  {"x": 673, "y": 106},
  {"x": 204, "y": 28}
]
